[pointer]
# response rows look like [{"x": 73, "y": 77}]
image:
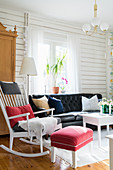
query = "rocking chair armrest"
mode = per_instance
[
  {"x": 21, "y": 115},
  {"x": 46, "y": 110}
]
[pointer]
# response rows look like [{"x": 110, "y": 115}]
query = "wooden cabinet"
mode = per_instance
[{"x": 7, "y": 63}]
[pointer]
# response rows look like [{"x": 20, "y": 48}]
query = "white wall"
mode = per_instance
[
  {"x": 9, "y": 19},
  {"x": 93, "y": 64},
  {"x": 92, "y": 48}
]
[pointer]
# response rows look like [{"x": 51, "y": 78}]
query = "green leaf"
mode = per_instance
[
  {"x": 56, "y": 68},
  {"x": 47, "y": 69}
]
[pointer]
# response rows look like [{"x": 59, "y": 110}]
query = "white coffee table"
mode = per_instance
[{"x": 98, "y": 120}]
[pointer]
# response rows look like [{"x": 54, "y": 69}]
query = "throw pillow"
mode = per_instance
[
  {"x": 42, "y": 103},
  {"x": 13, "y": 111},
  {"x": 57, "y": 104},
  {"x": 90, "y": 104},
  {"x": 27, "y": 109},
  {"x": 36, "y": 109}
]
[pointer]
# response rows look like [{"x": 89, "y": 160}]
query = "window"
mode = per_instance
[
  {"x": 45, "y": 49},
  {"x": 61, "y": 51},
  {"x": 47, "y": 54},
  {"x": 43, "y": 53}
]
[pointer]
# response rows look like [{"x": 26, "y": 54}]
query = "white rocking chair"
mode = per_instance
[{"x": 12, "y": 96}]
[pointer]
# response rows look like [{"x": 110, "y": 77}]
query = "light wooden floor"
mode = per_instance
[{"x": 12, "y": 162}]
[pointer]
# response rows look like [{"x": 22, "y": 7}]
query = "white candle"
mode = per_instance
[{"x": 100, "y": 109}]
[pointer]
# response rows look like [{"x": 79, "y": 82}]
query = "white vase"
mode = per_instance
[{"x": 63, "y": 91}]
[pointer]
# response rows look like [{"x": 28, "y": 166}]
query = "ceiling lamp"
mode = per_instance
[{"x": 95, "y": 23}]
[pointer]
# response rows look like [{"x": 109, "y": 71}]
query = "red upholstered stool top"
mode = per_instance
[{"x": 71, "y": 137}]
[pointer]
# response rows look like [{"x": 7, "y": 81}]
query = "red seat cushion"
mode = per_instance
[
  {"x": 13, "y": 111},
  {"x": 72, "y": 137}
]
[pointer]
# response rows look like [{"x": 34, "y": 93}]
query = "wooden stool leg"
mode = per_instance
[
  {"x": 53, "y": 154},
  {"x": 74, "y": 159}
]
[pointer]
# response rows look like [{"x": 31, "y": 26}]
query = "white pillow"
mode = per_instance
[{"x": 90, "y": 104}]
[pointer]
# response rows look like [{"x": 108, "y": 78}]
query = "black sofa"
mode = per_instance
[{"x": 72, "y": 103}]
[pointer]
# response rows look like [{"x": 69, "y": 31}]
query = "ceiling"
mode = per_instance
[{"x": 77, "y": 11}]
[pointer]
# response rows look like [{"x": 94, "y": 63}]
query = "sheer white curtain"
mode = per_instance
[
  {"x": 73, "y": 62},
  {"x": 35, "y": 38}
]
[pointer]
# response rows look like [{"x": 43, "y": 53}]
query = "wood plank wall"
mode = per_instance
[
  {"x": 92, "y": 48},
  {"x": 9, "y": 18},
  {"x": 93, "y": 64}
]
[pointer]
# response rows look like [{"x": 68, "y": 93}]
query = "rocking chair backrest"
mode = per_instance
[{"x": 11, "y": 95}]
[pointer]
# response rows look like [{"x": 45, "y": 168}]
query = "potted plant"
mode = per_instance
[
  {"x": 55, "y": 70},
  {"x": 106, "y": 106},
  {"x": 62, "y": 84}
]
